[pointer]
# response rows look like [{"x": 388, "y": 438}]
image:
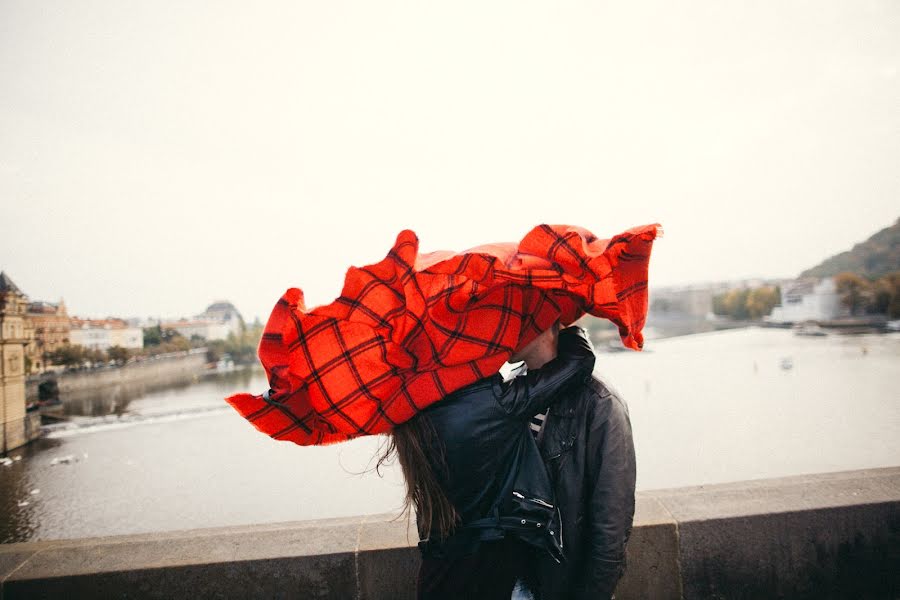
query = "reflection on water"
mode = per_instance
[
  {"x": 705, "y": 408},
  {"x": 108, "y": 400},
  {"x": 116, "y": 399}
]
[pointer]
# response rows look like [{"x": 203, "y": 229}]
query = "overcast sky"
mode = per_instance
[{"x": 156, "y": 156}]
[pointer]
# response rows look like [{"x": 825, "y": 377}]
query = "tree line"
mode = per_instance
[
  {"x": 747, "y": 303},
  {"x": 240, "y": 347},
  {"x": 860, "y": 295},
  {"x": 73, "y": 355},
  {"x": 865, "y": 296}
]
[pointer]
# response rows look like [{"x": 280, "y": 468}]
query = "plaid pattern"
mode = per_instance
[{"x": 411, "y": 329}]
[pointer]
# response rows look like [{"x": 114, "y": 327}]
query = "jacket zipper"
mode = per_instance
[{"x": 535, "y": 500}]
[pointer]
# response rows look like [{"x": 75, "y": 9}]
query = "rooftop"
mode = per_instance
[
  {"x": 7, "y": 285},
  {"x": 78, "y": 323},
  {"x": 41, "y": 307}
]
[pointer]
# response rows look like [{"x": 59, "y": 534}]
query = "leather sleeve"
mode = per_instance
[
  {"x": 526, "y": 396},
  {"x": 611, "y": 477}
]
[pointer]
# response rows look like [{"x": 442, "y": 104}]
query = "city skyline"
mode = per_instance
[
  {"x": 161, "y": 318},
  {"x": 153, "y": 161}
]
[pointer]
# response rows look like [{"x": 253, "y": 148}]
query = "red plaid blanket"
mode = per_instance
[{"x": 409, "y": 330}]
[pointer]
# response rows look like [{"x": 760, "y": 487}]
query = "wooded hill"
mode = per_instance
[{"x": 873, "y": 258}]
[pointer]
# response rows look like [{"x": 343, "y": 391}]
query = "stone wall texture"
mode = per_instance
[
  {"x": 823, "y": 536},
  {"x": 159, "y": 372}
]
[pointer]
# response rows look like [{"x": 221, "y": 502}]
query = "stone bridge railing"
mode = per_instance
[{"x": 834, "y": 535}]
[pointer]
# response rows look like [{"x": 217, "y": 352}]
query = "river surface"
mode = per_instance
[{"x": 705, "y": 408}]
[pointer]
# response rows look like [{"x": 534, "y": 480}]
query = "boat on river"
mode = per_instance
[{"x": 811, "y": 329}]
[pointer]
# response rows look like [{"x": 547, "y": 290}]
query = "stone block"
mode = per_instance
[
  {"x": 388, "y": 574},
  {"x": 321, "y": 577},
  {"x": 32, "y": 426},
  {"x": 847, "y": 552},
  {"x": 765, "y": 496},
  {"x": 820, "y": 536},
  {"x": 301, "y": 560},
  {"x": 388, "y": 558},
  {"x": 15, "y": 434},
  {"x": 11, "y": 559},
  {"x": 652, "y": 569}
]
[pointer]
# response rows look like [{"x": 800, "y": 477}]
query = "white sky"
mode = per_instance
[{"x": 157, "y": 156}]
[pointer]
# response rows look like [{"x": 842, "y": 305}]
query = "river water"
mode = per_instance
[{"x": 705, "y": 408}]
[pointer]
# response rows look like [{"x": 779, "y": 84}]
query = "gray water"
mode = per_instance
[
  {"x": 705, "y": 408},
  {"x": 719, "y": 407}
]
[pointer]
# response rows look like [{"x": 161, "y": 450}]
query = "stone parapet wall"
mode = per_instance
[
  {"x": 820, "y": 536},
  {"x": 32, "y": 425},
  {"x": 12, "y": 435},
  {"x": 157, "y": 371},
  {"x": 18, "y": 432}
]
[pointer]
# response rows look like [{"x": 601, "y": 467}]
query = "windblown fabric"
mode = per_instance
[{"x": 413, "y": 328}]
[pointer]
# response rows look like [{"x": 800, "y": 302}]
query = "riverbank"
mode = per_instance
[
  {"x": 141, "y": 376},
  {"x": 705, "y": 409}
]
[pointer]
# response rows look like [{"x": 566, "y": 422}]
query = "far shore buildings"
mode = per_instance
[
  {"x": 808, "y": 300},
  {"x": 103, "y": 334},
  {"x": 49, "y": 327},
  {"x": 217, "y": 322},
  {"x": 802, "y": 300},
  {"x": 693, "y": 301},
  {"x": 51, "y": 331}
]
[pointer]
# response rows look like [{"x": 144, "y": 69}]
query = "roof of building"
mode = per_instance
[
  {"x": 220, "y": 310},
  {"x": 190, "y": 323},
  {"x": 800, "y": 287},
  {"x": 78, "y": 323},
  {"x": 221, "y": 305},
  {"x": 7, "y": 285},
  {"x": 39, "y": 306}
]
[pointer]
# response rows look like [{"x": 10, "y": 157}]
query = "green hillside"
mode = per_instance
[{"x": 873, "y": 258}]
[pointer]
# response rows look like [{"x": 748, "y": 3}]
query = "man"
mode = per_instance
[
  {"x": 482, "y": 496},
  {"x": 586, "y": 443}
]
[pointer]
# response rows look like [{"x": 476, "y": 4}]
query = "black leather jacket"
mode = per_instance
[
  {"x": 588, "y": 449},
  {"x": 494, "y": 475}
]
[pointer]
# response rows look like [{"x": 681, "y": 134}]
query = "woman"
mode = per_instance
[{"x": 476, "y": 478}]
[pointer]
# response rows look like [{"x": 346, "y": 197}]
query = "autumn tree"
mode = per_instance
[
  {"x": 855, "y": 291},
  {"x": 118, "y": 354},
  {"x": 886, "y": 295},
  {"x": 760, "y": 301},
  {"x": 95, "y": 356},
  {"x": 67, "y": 356},
  {"x": 744, "y": 303},
  {"x": 732, "y": 303}
]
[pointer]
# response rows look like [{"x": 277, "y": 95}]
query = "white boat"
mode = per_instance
[{"x": 809, "y": 330}]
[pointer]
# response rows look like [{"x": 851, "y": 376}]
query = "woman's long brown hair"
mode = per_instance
[{"x": 420, "y": 451}]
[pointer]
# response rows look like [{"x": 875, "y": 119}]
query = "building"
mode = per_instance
[
  {"x": 223, "y": 311},
  {"x": 208, "y": 330},
  {"x": 217, "y": 322},
  {"x": 808, "y": 300},
  {"x": 51, "y": 331},
  {"x": 17, "y": 425},
  {"x": 103, "y": 334},
  {"x": 226, "y": 316}
]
